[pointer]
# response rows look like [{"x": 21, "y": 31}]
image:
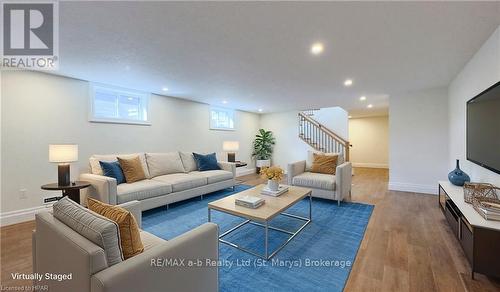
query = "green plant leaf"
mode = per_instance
[{"x": 263, "y": 145}]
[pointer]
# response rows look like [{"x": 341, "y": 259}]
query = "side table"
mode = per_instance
[
  {"x": 240, "y": 163},
  {"x": 72, "y": 190}
]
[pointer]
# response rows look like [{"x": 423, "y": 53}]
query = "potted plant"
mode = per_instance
[
  {"x": 263, "y": 148},
  {"x": 274, "y": 175}
]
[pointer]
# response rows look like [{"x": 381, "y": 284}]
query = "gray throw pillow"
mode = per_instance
[
  {"x": 188, "y": 161},
  {"x": 164, "y": 163},
  {"x": 96, "y": 228}
]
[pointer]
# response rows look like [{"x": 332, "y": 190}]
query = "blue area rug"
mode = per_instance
[{"x": 319, "y": 258}]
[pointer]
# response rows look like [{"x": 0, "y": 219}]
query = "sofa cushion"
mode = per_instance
[
  {"x": 141, "y": 190},
  {"x": 95, "y": 168},
  {"x": 206, "y": 162},
  {"x": 214, "y": 176},
  {"x": 188, "y": 161},
  {"x": 182, "y": 181},
  {"x": 149, "y": 240},
  {"x": 132, "y": 169},
  {"x": 114, "y": 170},
  {"x": 315, "y": 180},
  {"x": 326, "y": 164},
  {"x": 96, "y": 228},
  {"x": 130, "y": 238},
  {"x": 164, "y": 163},
  {"x": 310, "y": 158}
]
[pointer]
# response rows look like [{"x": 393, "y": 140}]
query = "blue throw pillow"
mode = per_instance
[
  {"x": 114, "y": 170},
  {"x": 206, "y": 162}
]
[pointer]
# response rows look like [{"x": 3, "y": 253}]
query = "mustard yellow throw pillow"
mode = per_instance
[
  {"x": 132, "y": 169},
  {"x": 130, "y": 237},
  {"x": 326, "y": 164}
]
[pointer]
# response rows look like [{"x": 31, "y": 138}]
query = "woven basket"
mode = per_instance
[{"x": 480, "y": 191}]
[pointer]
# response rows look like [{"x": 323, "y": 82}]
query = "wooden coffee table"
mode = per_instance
[{"x": 261, "y": 216}]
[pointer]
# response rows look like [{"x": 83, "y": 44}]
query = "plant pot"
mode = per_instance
[
  {"x": 273, "y": 185},
  {"x": 262, "y": 163}
]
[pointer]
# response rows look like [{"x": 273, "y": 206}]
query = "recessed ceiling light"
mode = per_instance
[
  {"x": 369, "y": 106},
  {"x": 164, "y": 88},
  {"x": 260, "y": 110},
  {"x": 363, "y": 98},
  {"x": 350, "y": 117},
  {"x": 317, "y": 48},
  {"x": 224, "y": 101},
  {"x": 348, "y": 82}
]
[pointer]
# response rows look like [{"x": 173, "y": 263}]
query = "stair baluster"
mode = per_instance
[{"x": 320, "y": 137}]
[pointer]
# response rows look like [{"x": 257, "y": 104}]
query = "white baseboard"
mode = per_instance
[
  {"x": 414, "y": 188},
  {"x": 370, "y": 165},
  {"x": 244, "y": 171},
  {"x": 18, "y": 216}
]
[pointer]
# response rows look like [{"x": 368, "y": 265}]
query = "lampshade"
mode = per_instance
[
  {"x": 230, "y": 145},
  {"x": 63, "y": 153}
]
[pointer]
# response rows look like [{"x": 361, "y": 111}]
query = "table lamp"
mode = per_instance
[
  {"x": 231, "y": 147},
  {"x": 63, "y": 154}
]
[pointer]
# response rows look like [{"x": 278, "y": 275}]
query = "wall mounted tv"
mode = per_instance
[{"x": 483, "y": 129}]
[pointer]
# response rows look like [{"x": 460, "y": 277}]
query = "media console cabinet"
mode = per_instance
[{"x": 479, "y": 238}]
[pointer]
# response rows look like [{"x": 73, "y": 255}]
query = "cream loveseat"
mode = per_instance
[
  {"x": 170, "y": 177},
  {"x": 60, "y": 250},
  {"x": 326, "y": 186}
]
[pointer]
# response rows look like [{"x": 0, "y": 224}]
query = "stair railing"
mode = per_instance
[{"x": 320, "y": 137}]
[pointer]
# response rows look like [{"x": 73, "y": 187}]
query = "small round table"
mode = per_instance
[
  {"x": 240, "y": 164},
  {"x": 72, "y": 190}
]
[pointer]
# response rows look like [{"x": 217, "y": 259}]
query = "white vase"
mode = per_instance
[{"x": 273, "y": 185}]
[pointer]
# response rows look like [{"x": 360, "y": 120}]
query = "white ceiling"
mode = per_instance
[{"x": 256, "y": 54}]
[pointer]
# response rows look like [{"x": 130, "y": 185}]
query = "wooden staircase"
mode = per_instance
[
  {"x": 320, "y": 137},
  {"x": 310, "y": 112}
]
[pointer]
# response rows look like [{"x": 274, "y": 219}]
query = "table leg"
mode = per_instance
[
  {"x": 209, "y": 215},
  {"x": 310, "y": 206},
  {"x": 72, "y": 194},
  {"x": 266, "y": 228}
]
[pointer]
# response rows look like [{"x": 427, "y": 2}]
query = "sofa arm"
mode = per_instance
[
  {"x": 343, "y": 178},
  {"x": 134, "y": 207},
  {"x": 59, "y": 249},
  {"x": 102, "y": 188},
  {"x": 228, "y": 166},
  {"x": 294, "y": 169},
  {"x": 167, "y": 266}
]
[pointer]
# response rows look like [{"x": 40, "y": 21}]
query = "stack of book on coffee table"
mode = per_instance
[
  {"x": 281, "y": 190},
  {"x": 249, "y": 202}
]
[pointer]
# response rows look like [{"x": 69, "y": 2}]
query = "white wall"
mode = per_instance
[
  {"x": 482, "y": 71},
  {"x": 335, "y": 119},
  {"x": 289, "y": 147},
  {"x": 40, "y": 109},
  {"x": 418, "y": 154},
  {"x": 370, "y": 139}
]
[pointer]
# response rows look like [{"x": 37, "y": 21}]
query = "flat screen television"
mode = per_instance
[{"x": 483, "y": 129}]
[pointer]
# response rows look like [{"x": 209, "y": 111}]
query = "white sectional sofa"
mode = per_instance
[{"x": 170, "y": 177}]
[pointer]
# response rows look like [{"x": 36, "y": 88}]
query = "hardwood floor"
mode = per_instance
[
  {"x": 15, "y": 253},
  {"x": 407, "y": 246}
]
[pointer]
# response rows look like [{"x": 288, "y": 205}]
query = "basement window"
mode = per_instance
[
  {"x": 110, "y": 104},
  {"x": 221, "y": 119}
]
